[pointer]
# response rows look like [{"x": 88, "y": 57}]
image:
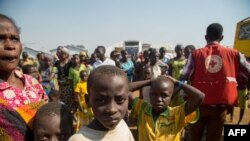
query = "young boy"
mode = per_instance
[
  {"x": 54, "y": 96},
  {"x": 53, "y": 121},
  {"x": 108, "y": 96},
  {"x": 84, "y": 113},
  {"x": 158, "y": 121}
]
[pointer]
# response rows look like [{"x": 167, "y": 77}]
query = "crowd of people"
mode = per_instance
[{"x": 77, "y": 97}]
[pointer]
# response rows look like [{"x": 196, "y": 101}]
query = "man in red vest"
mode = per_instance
[{"x": 213, "y": 70}]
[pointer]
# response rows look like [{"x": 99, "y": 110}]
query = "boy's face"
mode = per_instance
[
  {"x": 187, "y": 51},
  {"x": 108, "y": 98},
  {"x": 147, "y": 73},
  {"x": 179, "y": 51},
  {"x": 99, "y": 53},
  {"x": 84, "y": 76},
  {"x": 160, "y": 95},
  {"x": 48, "y": 61},
  {"x": 50, "y": 127},
  {"x": 154, "y": 59},
  {"x": 31, "y": 71}
]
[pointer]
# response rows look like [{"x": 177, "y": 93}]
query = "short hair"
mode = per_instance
[
  {"x": 74, "y": 55},
  {"x": 214, "y": 31},
  {"x": 191, "y": 47},
  {"x": 107, "y": 70},
  {"x": 162, "y": 49},
  {"x": 54, "y": 109},
  {"x": 27, "y": 68},
  {"x": 102, "y": 48},
  {"x": 54, "y": 93},
  {"x": 179, "y": 46},
  {"x": 48, "y": 57},
  {"x": 2, "y": 16},
  {"x": 159, "y": 80},
  {"x": 39, "y": 54},
  {"x": 83, "y": 71},
  {"x": 59, "y": 48},
  {"x": 112, "y": 53},
  {"x": 153, "y": 52}
]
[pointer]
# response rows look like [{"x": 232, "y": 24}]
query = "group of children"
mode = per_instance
[{"x": 109, "y": 96}]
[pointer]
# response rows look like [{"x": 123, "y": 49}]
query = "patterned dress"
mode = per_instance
[
  {"x": 67, "y": 92},
  {"x": 18, "y": 107}
]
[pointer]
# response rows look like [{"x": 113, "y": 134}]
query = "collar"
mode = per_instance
[
  {"x": 5, "y": 85},
  {"x": 149, "y": 111}
]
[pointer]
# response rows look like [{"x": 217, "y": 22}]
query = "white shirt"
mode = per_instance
[
  {"x": 107, "y": 61},
  {"x": 156, "y": 70},
  {"x": 167, "y": 57},
  {"x": 120, "y": 133}
]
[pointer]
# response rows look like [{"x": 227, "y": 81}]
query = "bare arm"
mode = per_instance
[
  {"x": 138, "y": 84},
  {"x": 195, "y": 96},
  {"x": 135, "y": 86}
]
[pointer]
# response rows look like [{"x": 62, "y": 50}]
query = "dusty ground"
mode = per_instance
[{"x": 245, "y": 120}]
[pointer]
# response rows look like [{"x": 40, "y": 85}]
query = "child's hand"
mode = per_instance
[{"x": 175, "y": 81}]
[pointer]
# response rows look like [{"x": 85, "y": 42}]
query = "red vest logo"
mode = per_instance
[{"x": 213, "y": 63}]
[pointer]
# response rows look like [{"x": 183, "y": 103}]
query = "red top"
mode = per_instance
[{"x": 215, "y": 73}]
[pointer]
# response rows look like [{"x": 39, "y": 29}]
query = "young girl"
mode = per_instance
[
  {"x": 74, "y": 71},
  {"x": 84, "y": 113},
  {"x": 49, "y": 75},
  {"x": 176, "y": 66}
]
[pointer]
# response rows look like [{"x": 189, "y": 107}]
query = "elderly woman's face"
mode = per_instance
[
  {"x": 10, "y": 46},
  {"x": 59, "y": 53}
]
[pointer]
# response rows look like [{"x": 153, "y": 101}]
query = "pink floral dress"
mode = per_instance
[{"x": 15, "y": 97}]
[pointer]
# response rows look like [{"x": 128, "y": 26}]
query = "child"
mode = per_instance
[
  {"x": 54, "y": 96},
  {"x": 74, "y": 71},
  {"x": 108, "y": 96},
  {"x": 49, "y": 75},
  {"x": 158, "y": 121},
  {"x": 53, "y": 121},
  {"x": 147, "y": 74},
  {"x": 84, "y": 113},
  {"x": 33, "y": 71},
  {"x": 243, "y": 94}
]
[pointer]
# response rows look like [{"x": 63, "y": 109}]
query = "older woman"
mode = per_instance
[
  {"x": 63, "y": 65},
  {"x": 17, "y": 90}
]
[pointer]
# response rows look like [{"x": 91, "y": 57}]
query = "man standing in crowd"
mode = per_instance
[
  {"x": 213, "y": 70},
  {"x": 102, "y": 60}
]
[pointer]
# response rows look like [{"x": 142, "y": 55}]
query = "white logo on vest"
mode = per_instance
[{"x": 213, "y": 63}]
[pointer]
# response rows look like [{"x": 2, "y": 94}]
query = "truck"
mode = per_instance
[{"x": 242, "y": 37}]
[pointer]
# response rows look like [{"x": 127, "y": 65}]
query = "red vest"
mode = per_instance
[{"x": 216, "y": 68}]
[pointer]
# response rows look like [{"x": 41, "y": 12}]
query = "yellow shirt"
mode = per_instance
[
  {"x": 81, "y": 89},
  {"x": 177, "y": 67},
  {"x": 83, "y": 117},
  {"x": 166, "y": 127},
  {"x": 74, "y": 74}
]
